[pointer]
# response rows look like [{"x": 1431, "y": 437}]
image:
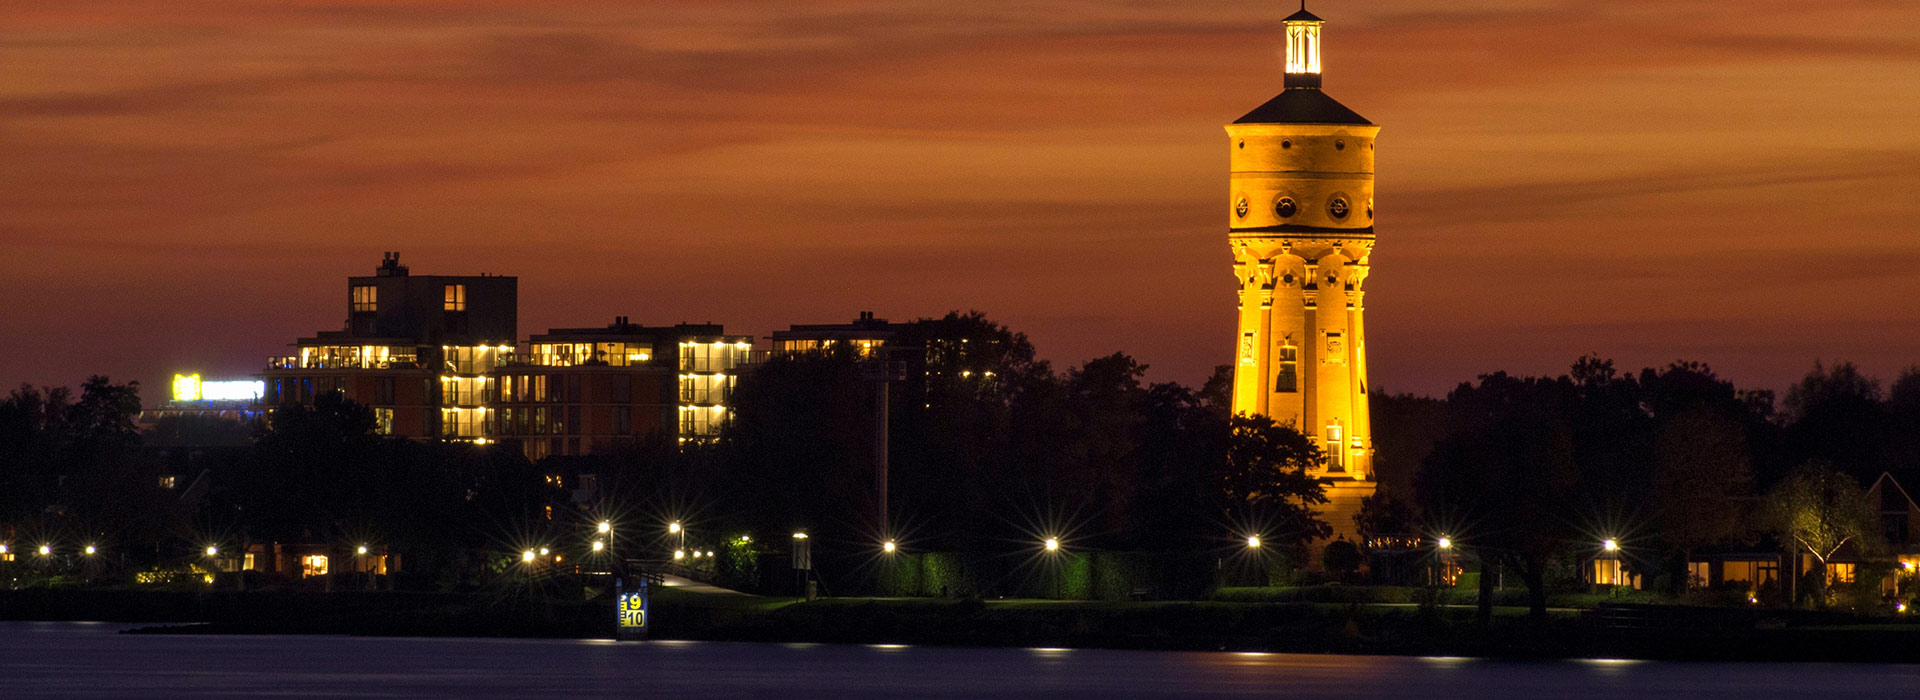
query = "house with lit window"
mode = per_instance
[
  {"x": 1766, "y": 566},
  {"x": 583, "y": 391},
  {"x": 418, "y": 349}
]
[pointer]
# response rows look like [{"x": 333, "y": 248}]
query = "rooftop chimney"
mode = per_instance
[{"x": 390, "y": 265}]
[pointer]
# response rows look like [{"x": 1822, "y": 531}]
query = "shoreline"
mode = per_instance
[{"x": 1298, "y": 628}]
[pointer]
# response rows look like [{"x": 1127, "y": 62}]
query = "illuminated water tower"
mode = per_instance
[{"x": 1300, "y": 226}]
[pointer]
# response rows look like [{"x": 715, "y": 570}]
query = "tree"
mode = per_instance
[
  {"x": 1505, "y": 475},
  {"x": 1264, "y": 479},
  {"x": 1381, "y": 517},
  {"x": 1701, "y": 471},
  {"x": 1836, "y": 414},
  {"x": 1821, "y": 510}
]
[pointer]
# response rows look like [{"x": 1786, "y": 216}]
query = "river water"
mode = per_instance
[{"x": 91, "y": 660}]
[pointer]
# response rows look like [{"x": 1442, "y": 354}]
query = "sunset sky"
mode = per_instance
[{"x": 187, "y": 184}]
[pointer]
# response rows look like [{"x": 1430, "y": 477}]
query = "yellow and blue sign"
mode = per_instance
[
  {"x": 633, "y": 609},
  {"x": 631, "y": 606}
]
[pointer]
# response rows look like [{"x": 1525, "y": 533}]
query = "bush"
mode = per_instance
[{"x": 1341, "y": 559}]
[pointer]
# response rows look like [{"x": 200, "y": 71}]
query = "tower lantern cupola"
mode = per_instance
[{"x": 1303, "y": 49}]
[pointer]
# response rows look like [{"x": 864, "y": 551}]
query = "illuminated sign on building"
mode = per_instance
[{"x": 189, "y": 387}]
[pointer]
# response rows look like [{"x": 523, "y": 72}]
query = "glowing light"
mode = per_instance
[
  {"x": 213, "y": 551},
  {"x": 3, "y": 549},
  {"x": 598, "y": 545},
  {"x": 1900, "y": 608},
  {"x": 543, "y": 551},
  {"x": 361, "y": 550},
  {"x": 526, "y": 555},
  {"x": 1753, "y": 600},
  {"x": 1445, "y": 543},
  {"x": 186, "y": 387},
  {"x": 679, "y": 554},
  {"x": 1253, "y": 541},
  {"x": 696, "y": 554},
  {"x": 1610, "y": 545},
  {"x": 887, "y": 546},
  {"x": 746, "y": 538},
  {"x": 1904, "y": 565},
  {"x": 91, "y": 550},
  {"x": 605, "y": 527},
  {"x": 709, "y": 554},
  {"x": 45, "y": 550},
  {"x": 799, "y": 535},
  {"x": 673, "y": 526},
  {"x": 1303, "y": 47},
  {"x": 1052, "y": 544}
]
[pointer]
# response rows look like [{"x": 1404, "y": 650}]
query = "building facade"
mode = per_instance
[
  {"x": 866, "y": 335},
  {"x": 1300, "y": 229},
  {"x": 418, "y": 349},
  {"x": 579, "y": 391}
]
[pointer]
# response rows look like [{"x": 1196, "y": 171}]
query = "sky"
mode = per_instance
[{"x": 185, "y": 185}]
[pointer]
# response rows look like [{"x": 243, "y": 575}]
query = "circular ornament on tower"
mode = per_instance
[
  {"x": 1285, "y": 207},
  {"x": 1240, "y": 207},
  {"x": 1338, "y": 207}
]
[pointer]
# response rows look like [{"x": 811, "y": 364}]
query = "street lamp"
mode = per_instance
[
  {"x": 679, "y": 554},
  {"x": 1445, "y": 543},
  {"x": 212, "y": 550},
  {"x": 888, "y": 546},
  {"x": 605, "y": 527},
  {"x": 1052, "y": 544},
  {"x": 46, "y": 550},
  {"x": 527, "y": 556},
  {"x": 599, "y": 545},
  {"x": 361, "y": 550},
  {"x": 91, "y": 550},
  {"x": 1253, "y": 541},
  {"x": 1610, "y": 545}
]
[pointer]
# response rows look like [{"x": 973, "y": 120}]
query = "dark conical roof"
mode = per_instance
[
  {"x": 1302, "y": 16},
  {"x": 1302, "y": 106}
]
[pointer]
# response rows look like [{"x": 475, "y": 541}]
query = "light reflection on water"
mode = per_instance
[{"x": 69, "y": 660}]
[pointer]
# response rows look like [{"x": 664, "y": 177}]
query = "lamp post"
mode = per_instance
[{"x": 803, "y": 563}]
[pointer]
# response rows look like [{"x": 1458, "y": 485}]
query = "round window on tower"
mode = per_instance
[
  {"x": 1338, "y": 207},
  {"x": 1285, "y": 207},
  {"x": 1240, "y": 207},
  {"x": 1369, "y": 207}
]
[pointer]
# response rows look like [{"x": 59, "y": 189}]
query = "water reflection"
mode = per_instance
[{"x": 59, "y": 660}]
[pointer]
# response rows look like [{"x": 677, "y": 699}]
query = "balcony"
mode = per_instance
[{"x": 390, "y": 362}]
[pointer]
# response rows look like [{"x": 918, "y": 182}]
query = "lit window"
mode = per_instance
[
  {"x": 365, "y": 298},
  {"x": 1287, "y": 377},
  {"x": 456, "y": 297},
  {"x": 167, "y": 481},
  {"x": 1607, "y": 572},
  {"x": 313, "y": 565},
  {"x": 1335, "y": 455}
]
